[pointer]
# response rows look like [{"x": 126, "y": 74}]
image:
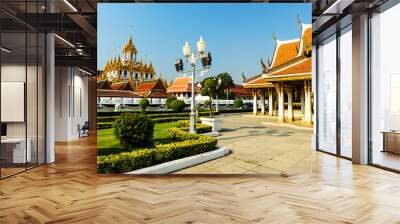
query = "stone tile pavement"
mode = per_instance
[{"x": 258, "y": 149}]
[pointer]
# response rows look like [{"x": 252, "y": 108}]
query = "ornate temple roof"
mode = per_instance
[
  {"x": 284, "y": 52},
  {"x": 291, "y": 61},
  {"x": 296, "y": 64},
  {"x": 299, "y": 70},
  {"x": 152, "y": 89},
  {"x": 129, "y": 47},
  {"x": 182, "y": 85},
  {"x": 257, "y": 82},
  {"x": 240, "y": 91},
  {"x": 121, "y": 86}
]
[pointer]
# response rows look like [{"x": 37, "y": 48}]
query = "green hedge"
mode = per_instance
[
  {"x": 202, "y": 113},
  {"x": 160, "y": 115},
  {"x": 187, "y": 145},
  {"x": 104, "y": 125},
  {"x": 227, "y": 111},
  {"x": 168, "y": 119},
  {"x": 200, "y": 128}
]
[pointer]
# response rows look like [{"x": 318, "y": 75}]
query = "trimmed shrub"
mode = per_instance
[
  {"x": 134, "y": 130},
  {"x": 206, "y": 103},
  {"x": 238, "y": 103},
  {"x": 188, "y": 144},
  {"x": 110, "y": 151},
  {"x": 183, "y": 123},
  {"x": 169, "y": 100},
  {"x": 178, "y": 105},
  {"x": 144, "y": 103},
  {"x": 200, "y": 128},
  {"x": 125, "y": 161}
]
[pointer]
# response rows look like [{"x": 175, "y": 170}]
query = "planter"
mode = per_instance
[{"x": 214, "y": 122}]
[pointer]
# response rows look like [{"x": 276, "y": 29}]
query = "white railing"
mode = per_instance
[{"x": 156, "y": 101}]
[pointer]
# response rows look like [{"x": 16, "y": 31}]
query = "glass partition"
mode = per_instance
[
  {"x": 22, "y": 93},
  {"x": 326, "y": 102},
  {"x": 346, "y": 92},
  {"x": 385, "y": 89}
]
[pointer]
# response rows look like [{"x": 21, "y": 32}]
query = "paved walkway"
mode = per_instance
[{"x": 259, "y": 149}]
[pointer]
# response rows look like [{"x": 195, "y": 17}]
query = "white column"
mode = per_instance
[
  {"x": 302, "y": 96},
  {"x": 360, "y": 90},
  {"x": 262, "y": 101},
  {"x": 50, "y": 98},
  {"x": 270, "y": 102},
  {"x": 255, "y": 101},
  {"x": 216, "y": 104},
  {"x": 290, "y": 115},
  {"x": 307, "y": 104},
  {"x": 281, "y": 101}
]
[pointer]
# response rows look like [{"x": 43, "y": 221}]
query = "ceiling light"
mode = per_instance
[
  {"x": 70, "y": 5},
  {"x": 64, "y": 40},
  {"x": 5, "y": 50}
]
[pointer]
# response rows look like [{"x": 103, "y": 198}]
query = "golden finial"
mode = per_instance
[
  {"x": 299, "y": 20},
  {"x": 274, "y": 36}
]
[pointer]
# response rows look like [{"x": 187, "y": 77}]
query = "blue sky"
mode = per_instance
[{"x": 237, "y": 35}]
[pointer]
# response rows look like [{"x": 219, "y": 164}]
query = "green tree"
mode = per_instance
[
  {"x": 210, "y": 88},
  {"x": 226, "y": 82},
  {"x": 144, "y": 103}
]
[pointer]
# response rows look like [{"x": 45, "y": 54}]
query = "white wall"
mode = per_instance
[{"x": 71, "y": 102}]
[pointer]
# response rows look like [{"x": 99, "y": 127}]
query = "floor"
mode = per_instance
[
  {"x": 70, "y": 191},
  {"x": 258, "y": 149},
  {"x": 387, "y": 159}
]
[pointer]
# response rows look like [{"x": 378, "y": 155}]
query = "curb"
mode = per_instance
[
  {"x": 212, "y": 134},
  {"x": 175, "y": 165}
]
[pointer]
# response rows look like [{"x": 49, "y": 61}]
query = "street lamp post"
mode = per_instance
[
  {"x": 191, "y": 58},
  {"x": 218, "y": 86}
]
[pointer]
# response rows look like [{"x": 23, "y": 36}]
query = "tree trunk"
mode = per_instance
[{"x": 210, "y": 107}]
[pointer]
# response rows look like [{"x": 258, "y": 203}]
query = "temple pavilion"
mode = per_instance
[{"x": 286, "y": 78}]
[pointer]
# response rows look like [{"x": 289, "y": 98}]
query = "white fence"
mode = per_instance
[{"x": 155, "y": 101}]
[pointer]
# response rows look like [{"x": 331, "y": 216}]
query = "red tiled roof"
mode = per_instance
[
  {"x": 158, "y": 95},
  {"x": 150, "y": 86},
  {"x": 297, "y": 70},
  {"x": 257, "y": 82},
  {"x": 239, "y": 90},
  {"x": 290, "y": 62},
  {"x": 182, "y": 85},
  {"x": 284, "y": 52},
  {"x": 152, "y": 89},
  {"x": 121, "y": 86}
]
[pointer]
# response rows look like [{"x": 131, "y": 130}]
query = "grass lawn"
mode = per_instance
[{"x": 107, "y": 140}]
